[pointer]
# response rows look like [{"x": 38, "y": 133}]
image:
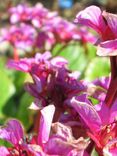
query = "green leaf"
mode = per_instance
[
  {"x": 19, "y": 78},
  {"x": 91, "y": 51},
  {"x": 5, "y": 143},
  {"x": 7, "y": 89},
  {"x": 75, "y": 55},
  {"x": 98, "y": 67},
  {"x": 94, "y": 153},
  {"x": 93, "y": 100},
  {"x": 24, "y": 114}
]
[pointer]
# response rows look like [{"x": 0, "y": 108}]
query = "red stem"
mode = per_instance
[
  {"x": 112, "y": 90},
  {"x": 16, "y": 57}
]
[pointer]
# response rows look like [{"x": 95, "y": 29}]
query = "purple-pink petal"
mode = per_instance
[
  {"x": 92, "y": 17},
  {"x": 13, "y": 132},
  {"x": 4, "y": 151},
  {"x": 45, "y": 123},
  {"x": 107, "y": 48},
  {"x": 87, "y": 113},
  {"x": 111, "y": 21}
]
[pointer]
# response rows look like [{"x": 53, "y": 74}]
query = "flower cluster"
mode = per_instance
[
  {"x": 34, "y": 29},
  {"x": 68, "y": 122},
  {"x": 54, "y": 84},
  {"x": 104, "y": 24}
]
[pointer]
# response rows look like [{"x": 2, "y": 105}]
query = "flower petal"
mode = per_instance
[
  {"x": 112, "y": 21},
  {"x": 107, "y": 48},
  {"x": 87, "y": 113},
  {"x": 92, "y": 17},
  {"x": 4, "y": 151},
  {"x": 13, "y": 132},
  {"x": 45, "y": 123}
]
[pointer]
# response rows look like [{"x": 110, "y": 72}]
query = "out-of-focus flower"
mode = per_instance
[
  {"x": 45, "y": 40},
  {"x": 65, "y": 31},
  {"x": 39, "y": 15},
  {"x": 22, "y": 37},
  {"x": 20, "y": 13},
  {"x": 4, "y": 151},
  {"x": 36, "y": 29},
  {"x": 85, "y": 35},
  {"x": 100, "y": 121}
]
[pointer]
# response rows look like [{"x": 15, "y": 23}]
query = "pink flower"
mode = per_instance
[
  {"x": 104, "y": 24},
  {"x": 45, "y": 40},
  {"x": 50, "y": 78},
  {"x": 59, "y": 141},
  {"x": 100, "y": 121},
  {"x": 39, "y": 15},
  {"x": 22, "y": 37},
  {"x": 53, "y": 84},
  {"x": 20, "y": 13},
  {"x": 4, "y": 151},
  {"x": 14, "y": 134}
]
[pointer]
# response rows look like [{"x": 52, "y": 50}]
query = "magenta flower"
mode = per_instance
[
  {"x": 104, "y": 24},
  {"x": 64, "y": 142},
  {"x": 83, "y": 35},
  {"x": 39, "y": 15},
  {"x": 20, "y": 13},
  {"x": 58, "y": 142},
  {"x": 4, "y": 151},
  {"x": 38, "y": 29},
  {"x": 100, "y": 121},
  {"x": 22, "y": 37},
  {"x": 62, "y": 30},
  {"x": 53, "y": 84},
  {"x": 22, "y": 145},
  {"x": 51, "y": 77},
  {"x": 45, "y": 40},
  {"x": 14, "y": 134}
]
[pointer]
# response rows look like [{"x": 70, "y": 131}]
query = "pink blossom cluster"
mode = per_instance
[
  {"x": 68, "y": 123},
  {"x": 35, "y": 28},
  {"x": 54, "y": 86}
]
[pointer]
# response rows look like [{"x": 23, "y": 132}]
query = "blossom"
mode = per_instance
[
  {"x": 104, "y": 24},
  {"x": 61, "y": 140},
  {"x": 53, "y": 84},
  {"x": 38, "y": 29},
  {"x": 22, "y": 37},
  {"x": 100, "y": 121},
  {"x": 39, "y": 15},
  {"x": 51, "y": 77},
  {"x": 4, "y": 151},
  {"x": 64, "y": 142},
  {"x": 14, "y": 134},
  {"x": 31, "y": 146},
  {"x": 45, "y": 40},
  {"x": 44, "y": 142},
  {"x": 20, "y": 13}
]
